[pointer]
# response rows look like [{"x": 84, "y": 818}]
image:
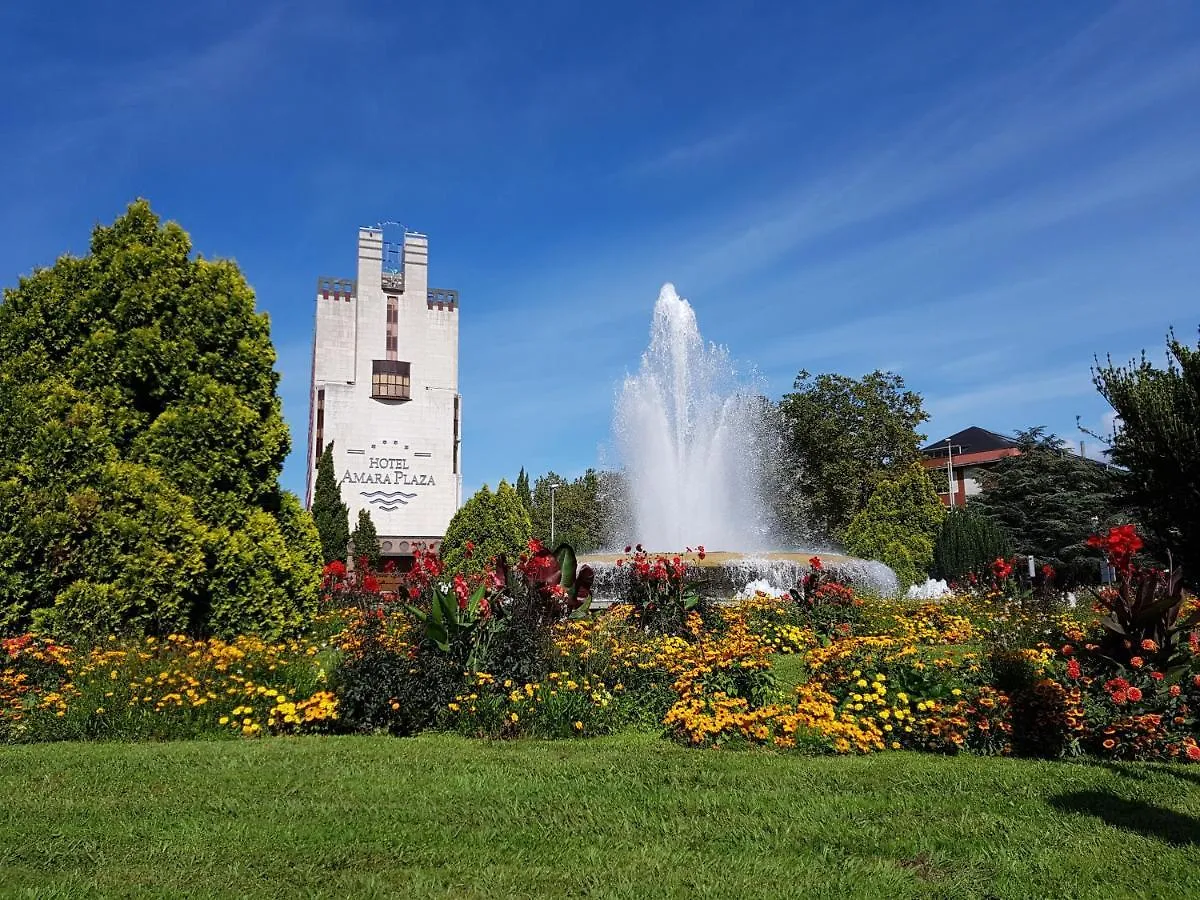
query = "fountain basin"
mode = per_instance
[{"x": 723, "y": 575}]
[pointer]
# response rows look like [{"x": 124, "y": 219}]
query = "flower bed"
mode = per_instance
[{"x": 513, "y": 652}]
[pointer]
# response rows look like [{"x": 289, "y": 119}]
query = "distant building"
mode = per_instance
[
  {"x": 967, "y": 454},
  {"x": 385, "y": 392}
]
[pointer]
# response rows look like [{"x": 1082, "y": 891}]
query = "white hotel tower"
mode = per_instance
[{"x": 385, "y": 393}]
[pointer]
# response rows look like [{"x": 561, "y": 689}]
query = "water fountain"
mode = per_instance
[{"x": 689, "y": 432}]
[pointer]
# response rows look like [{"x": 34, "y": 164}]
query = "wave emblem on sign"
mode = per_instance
[{"x": 387, "y": 500}]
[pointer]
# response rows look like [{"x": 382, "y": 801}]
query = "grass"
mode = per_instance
[{"x": 630, "y": 816}]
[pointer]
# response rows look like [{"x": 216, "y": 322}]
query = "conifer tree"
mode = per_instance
[
  {"x": 899, "y": 524},
  {"x": 141, "y": 443},
  {"x": 523, "y": 490},
  {"x": 331, "y": 515},
  {"x": 365, "y": 540},
  {"x": 968, "y": 542},
  {"x": 1157, "y": 444},
  {"x": 1049, "y": 500}
]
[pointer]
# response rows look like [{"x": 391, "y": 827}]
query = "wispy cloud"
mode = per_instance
[{"x": 704, "y": 150}]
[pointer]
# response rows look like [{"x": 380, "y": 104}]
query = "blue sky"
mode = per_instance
[{"x": 979, "y": 196}]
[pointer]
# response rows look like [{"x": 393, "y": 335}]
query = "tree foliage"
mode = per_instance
[
  {"x": 968, "y": 541},
  {"x": 841, "y": 433},
  {"x": 329, "y": 512},
  {"x": 1157, "y": 442},
  {"x": 141, "y": 441},
  {"x": 580, "y": 515},
  {"x": 365, "y": 540},
  {"x": 523, "y": 490},
  {"x": 492, "y": 523},
  {"x": 1049, "y": 500},
  {"x": 899, "y": 524}
]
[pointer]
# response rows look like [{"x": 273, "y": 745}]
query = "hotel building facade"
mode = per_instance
[{"x": 385, "y": 393}]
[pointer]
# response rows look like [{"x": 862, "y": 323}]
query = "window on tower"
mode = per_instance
[{"x": 390, "y": 380}]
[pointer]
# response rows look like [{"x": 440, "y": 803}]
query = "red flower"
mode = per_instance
[
  {"x": 1048, "y": 571},
  {"x": 815, "y": 562},
  {"x": 1157, "y": 676},
  {"x": 336, "y": 569},
  {"x": 700, "y": 551},
  {"x": 1135, "y": 694},
  {"x": 628, "y": 549},
  {"x": 463, "y": 590},
  {"x": 370, "y": 584},
  {"x": 1193, "y": 752},
  {"x": 1120, "y": 544},
  {"x": 469, "y": 549},
  {"x": 1001, "y": 569},
  {"x": 1073, "y": 668},
  {"x": 1067, "y": 650},
  {"x": 1175, "y": 690},
  {"x": 1137, "y": 662}
]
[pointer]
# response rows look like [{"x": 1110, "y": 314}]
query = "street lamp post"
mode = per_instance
[
  {"x": 950, "y": 470},
  {"x": 554, "y": 486}
]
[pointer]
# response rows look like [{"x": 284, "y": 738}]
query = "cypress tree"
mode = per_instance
[
  {"x": 968, "y": 542},
  {"x": 366, "y": 540},
  {"x": 329, "y": 512},
  {"x": 523, "y": 490}
]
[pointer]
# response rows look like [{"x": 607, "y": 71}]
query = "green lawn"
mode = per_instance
[{"x": 630, "y": 816}]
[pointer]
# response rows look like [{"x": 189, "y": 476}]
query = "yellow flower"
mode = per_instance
[
  {"x": 956, "y": 692},
  {"x": 513, "y": 717},
  {"x": 895, "y": 745},
  {"x": 578, "y": 726},
  {"x": 860, "y": 683},
  {"x": 224, "y": 720}
]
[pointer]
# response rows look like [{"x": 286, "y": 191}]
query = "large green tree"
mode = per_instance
[
  {"x": 1157, "y": 444},
  {"x": 840, "y": 434},
  {"x": 899, "y": 524},
  {"x": 1049, "y": 500},
  {"x": 580, "y": 515},
  {"x": 141, "y": 442},
  {"x": 492, "y": 524},
  {"x": 329, "y": 511}
]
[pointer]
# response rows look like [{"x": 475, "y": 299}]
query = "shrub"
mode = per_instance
[
  {"x": 967, "y": 543},
  {"x": 660, "y": 593},
  {"x": 141, "y": 427},
  {"x": 899, "y": 524},
  {"x": 365, "y": 541},
  {"x": 487, "y": 526},
  {"x": 827, "y": 606}
]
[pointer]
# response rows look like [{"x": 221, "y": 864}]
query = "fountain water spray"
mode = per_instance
[{"x": 687, "y": 429}]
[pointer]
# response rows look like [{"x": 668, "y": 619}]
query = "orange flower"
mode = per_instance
[
  {"x": 1137, "y": 662},
  {"x": 1109, "y": 744},
  {"x": 1149, "y": 645}
]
